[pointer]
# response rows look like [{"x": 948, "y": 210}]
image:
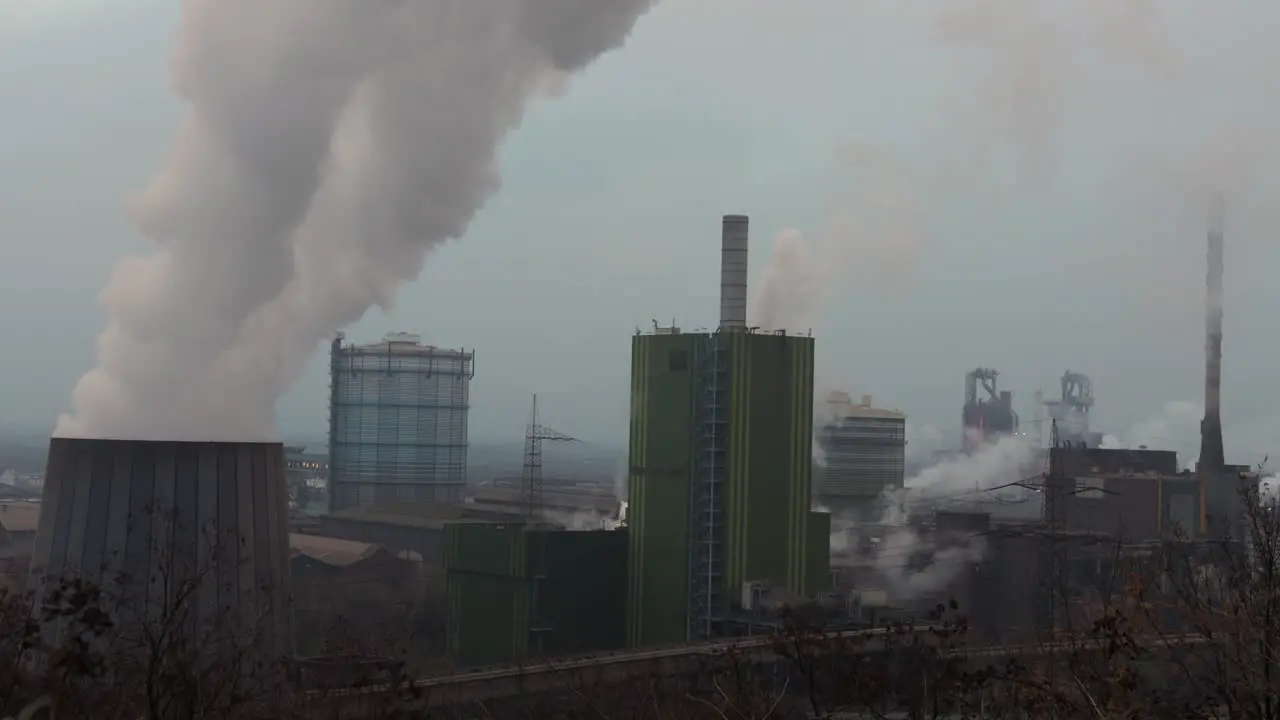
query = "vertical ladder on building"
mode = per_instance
[
  {"x": 337, "y": 463},
  {"x": 706, "y": 487}
]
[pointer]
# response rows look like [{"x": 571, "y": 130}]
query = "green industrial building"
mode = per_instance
[
  {"x": 517, "y": 592},
  {"x": 720, "y": 468}
]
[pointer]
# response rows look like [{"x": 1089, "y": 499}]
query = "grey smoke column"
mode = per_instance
[
  {"x": 733, "y": 272},
  {"x": 143, "y": 519},
  {"x": 1218, "y": 495},
  {"x": 1213, "y": 324}
]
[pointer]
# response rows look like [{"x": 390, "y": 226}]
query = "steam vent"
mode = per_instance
[{"x": 144, "y": 519}]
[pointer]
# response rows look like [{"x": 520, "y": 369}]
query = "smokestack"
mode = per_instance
[
  {"x": 1213, "y": 314},
  {"x": 1212, "y": 456},
  {"x": 733, "y": 272}
]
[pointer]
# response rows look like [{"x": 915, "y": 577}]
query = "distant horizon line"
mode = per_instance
[{"x": 30, "y": 433}]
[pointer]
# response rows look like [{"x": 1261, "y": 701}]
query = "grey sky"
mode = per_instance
[{"x": 1055, "y": 192}]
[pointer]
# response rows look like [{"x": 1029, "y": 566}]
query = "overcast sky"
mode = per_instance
[{"x": 1029, "y": 184}]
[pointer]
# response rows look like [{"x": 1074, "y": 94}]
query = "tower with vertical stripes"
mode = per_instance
[{"x": 720, "y": 469}]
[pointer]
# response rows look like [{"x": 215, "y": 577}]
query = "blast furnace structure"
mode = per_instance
[
  {"x": 1070, "y": 413},
  {"x": 398, "y": 422},
  {"x": 985, "y": 419},
  {"x": 720, "y": 469},
  {"x": 147, "y": 521}
]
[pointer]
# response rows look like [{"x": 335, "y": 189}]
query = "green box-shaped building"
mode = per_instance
[
  {"x": 720, "y": 472},
  {"x": 517, "y": 592}
]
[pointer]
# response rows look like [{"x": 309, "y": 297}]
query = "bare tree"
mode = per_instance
[{"x": 158, "y": 647}]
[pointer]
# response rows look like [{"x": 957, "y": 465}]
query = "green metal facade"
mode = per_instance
[
  {"x": 819, "y": 550},
  {"x": 584, "y": 597},
  {"x": 766, "y": 403},
  {"x": 661, "y": 461},
  {"x": 489, "y": 593},
  {"x": 516, "y": 593}
]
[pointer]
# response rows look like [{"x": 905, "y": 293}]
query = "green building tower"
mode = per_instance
[{"x": 720, "y": 469}]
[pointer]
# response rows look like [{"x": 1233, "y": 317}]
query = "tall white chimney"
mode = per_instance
[{"x": 733, "y": 273}]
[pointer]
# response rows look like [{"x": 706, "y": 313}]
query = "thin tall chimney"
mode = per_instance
[
  {"x": 1212, "y": 465},
  {"x": 733, "y": 272}
]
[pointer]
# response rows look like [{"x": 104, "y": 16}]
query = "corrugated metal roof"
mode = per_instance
[
  {"x": 422, "y": 515},
  {"x": 20, "y": 516},
  {"x": 406, "y": 348},
  {"x": 331, "y": 551},
  {"x": 498, "y": 497}
]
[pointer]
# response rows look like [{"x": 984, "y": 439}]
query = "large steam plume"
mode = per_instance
[
  {"x": 890, "y": 542},
  {"x": 329, "y": 145},
  {"x": 792, "y": 286}
]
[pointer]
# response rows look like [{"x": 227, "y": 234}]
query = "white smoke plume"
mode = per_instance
[
  {"x": 909, "y": 562},
  {"x": 972, "y": 476},
  {"x": 1176, "y": 427},
  {"x": 792, "y": 287},
  {"x": 872, "y": 239},
  {"x": 328, "y": 146},
  {"x": 577, "y": 521},
  {"x": 817, "y": 454}
]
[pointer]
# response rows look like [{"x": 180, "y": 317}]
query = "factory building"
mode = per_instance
[
  {"x": 864, "y": 455},
  {"x": 352, "y": 589},
  {"x": 517, "y": 592},
  {"x": 720, "y": 469},
  {"x": 398, "y": 422}
]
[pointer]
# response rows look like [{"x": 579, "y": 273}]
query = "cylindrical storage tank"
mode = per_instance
[
  {"x": 165, "y": 527},
  {"x": 733, "y": 272},
  {"x": 398, "y": 423}
]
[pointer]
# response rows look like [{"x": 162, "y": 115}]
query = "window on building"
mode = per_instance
[{"x": 678, "y": 361}]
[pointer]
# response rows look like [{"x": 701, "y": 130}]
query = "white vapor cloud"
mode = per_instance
[
  {"x": 328, "y": 146},
  {"x": 982, "y": 475}
]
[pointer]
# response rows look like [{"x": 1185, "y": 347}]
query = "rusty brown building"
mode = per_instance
[
  {"x": 1130, "y": 495},
  {"x": 347, "y": 592},
  {"x": 18, "y": 523},
  {"x": 1104, "y": 512}
]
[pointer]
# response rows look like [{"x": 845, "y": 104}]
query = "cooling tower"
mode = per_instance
[
  {"x": 150, "y": 521},
  {"x": 733, "y": 272}
]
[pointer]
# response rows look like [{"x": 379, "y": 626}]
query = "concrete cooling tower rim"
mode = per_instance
[
  {"x": 116, "y": 512},
  {"x": 140, "y": 441}
]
